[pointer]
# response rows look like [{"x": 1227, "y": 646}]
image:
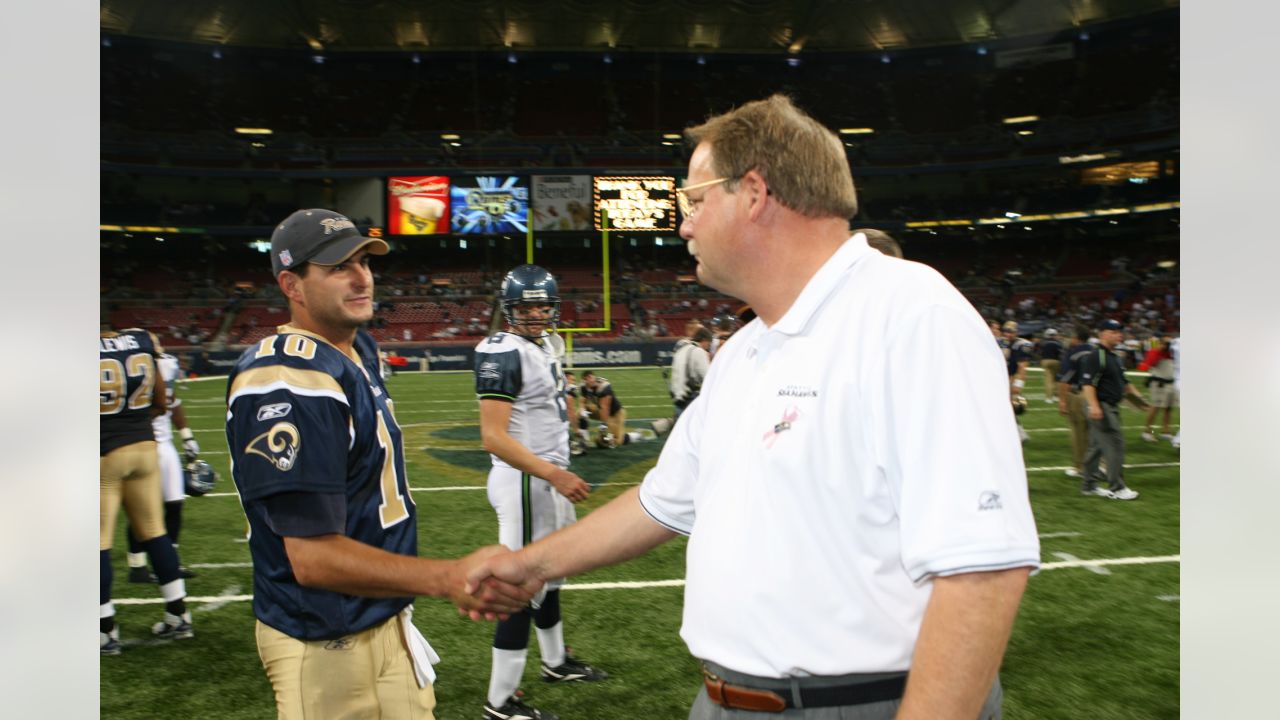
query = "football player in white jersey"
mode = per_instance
[
  {"x": 171, "y": 483},
  {"x": 524, "y": 425}
]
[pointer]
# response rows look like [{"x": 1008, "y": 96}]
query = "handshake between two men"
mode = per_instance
[{"x": 493, "y": 583}]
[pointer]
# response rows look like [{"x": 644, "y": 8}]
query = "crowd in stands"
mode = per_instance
[{"x": 177, "y": 103}]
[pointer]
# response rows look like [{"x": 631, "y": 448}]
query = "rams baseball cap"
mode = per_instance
[
  {"x": 323, "y": 237},
  {"x": 1051, "y": 333},
  {"x": 1111, "y": 325}
]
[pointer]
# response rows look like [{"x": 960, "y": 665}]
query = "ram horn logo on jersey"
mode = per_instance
[
  {"x": 273, "y": 411},
  {"x": 279, "y": 446},
  {"x": 489, "y": 371}
]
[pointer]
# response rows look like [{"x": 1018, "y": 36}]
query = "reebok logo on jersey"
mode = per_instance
[
  {"x": 279, "y": 446},
  {"x": 273, "y": 411},
  {"x": 989, "y": 500},
  {"x": 489, "y": 371}
]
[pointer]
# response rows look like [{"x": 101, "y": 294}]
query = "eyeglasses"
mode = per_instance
[{"x": 690, "y": 207}]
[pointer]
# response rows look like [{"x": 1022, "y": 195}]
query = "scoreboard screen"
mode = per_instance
[{"x": 636, "y": 203}]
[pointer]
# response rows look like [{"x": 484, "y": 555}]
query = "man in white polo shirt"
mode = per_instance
[{"x": 850, "y": 478}]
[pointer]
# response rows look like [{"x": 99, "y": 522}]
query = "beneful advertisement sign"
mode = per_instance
[
  {"x": 418, "y": 205},
  {"x": 561, "y": 202},
  {"x": 636, "y": 203}
]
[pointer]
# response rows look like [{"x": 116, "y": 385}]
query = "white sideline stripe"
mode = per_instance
[
  {"x": 1044, "y": 535},
  {"x": 230, "y": 592},
  {"x": 1064, "y": 468},
  {"x": 1112, "y": 561},
  {"x": 1067, "y": 429},
  {"x": 1091, "y": 567},
  {"x": 642, "y": 584},
  {"x": 1169, "y": 598}
]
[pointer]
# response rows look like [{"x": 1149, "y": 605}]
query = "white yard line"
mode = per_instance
[{"x": 1091, "y": 565}]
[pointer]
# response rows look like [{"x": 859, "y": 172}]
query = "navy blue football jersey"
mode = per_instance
[
  {"x": 1016, "y": 352},
  {"x": 1069, "y": 370},
  {"x": 604, "y": 389},
  {"x": 304, "y": 417},
  {"x": 126, "y": 387},
  {"x": 1050, "y": 350}
]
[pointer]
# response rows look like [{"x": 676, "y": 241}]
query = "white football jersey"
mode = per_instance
[
  {"x": 527, "y": 373},
  {"x": 167, "y": 367}
]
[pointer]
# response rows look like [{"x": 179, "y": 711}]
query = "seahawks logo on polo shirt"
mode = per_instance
[{"x": 279, "y": 445}]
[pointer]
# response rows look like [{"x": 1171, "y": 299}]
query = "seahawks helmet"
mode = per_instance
[
  {"x": 533, "y": 285},
  {"x": 198, "y": 478}
]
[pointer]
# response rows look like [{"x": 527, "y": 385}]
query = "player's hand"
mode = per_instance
[
  {"x": 190, "y": 451},
  {"x": 483, "y": 592},
  {"x": 1095, "y": 412},
  {"x": 569, "y": 485}
]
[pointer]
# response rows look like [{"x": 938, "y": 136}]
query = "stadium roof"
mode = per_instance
[{"x": 650, "y": 25}]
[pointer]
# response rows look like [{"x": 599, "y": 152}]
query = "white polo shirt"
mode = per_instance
[{"x": 833, "y": 464}]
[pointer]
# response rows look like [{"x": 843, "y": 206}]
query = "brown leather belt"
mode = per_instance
[{"x": 738, "y": 697}]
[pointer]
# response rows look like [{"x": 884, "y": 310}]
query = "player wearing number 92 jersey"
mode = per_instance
[{"x": 291, "y": 400}]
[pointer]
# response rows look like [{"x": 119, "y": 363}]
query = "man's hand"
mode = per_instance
[
  {"x": 190, "y": 448},
  {"x": 482, "y": 594},
  {"x": 569, "y": 484},
  {"x": 1136, "y": 398},
  {"x": 1095, "y": 412}
]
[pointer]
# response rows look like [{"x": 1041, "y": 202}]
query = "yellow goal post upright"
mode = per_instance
[{"x": 604, "y": 273}]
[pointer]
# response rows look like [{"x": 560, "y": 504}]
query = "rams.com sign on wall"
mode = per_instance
[{"x": 463, "y": 357}]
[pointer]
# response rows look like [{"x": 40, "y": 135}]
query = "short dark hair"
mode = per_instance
[{"x": 702, "y": 334}]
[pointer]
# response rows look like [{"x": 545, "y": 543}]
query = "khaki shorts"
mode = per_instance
[
  {"x": 130, "y": 474},
  {"x": 1164, "y": 395},
  {"x": 365, "y": 675}
]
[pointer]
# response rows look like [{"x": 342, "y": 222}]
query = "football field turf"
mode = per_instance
[{"x": 1096, "y": 637}]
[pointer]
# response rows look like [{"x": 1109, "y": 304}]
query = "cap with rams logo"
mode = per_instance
[
  {"x": 323, "y": 237},
  {"x": 1111, "y": 325}
]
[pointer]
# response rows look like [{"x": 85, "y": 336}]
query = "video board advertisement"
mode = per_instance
[
  {"x": 488, "y": 205},
  {"x": 561, "y": 202},
  {"x": 636, "y": 203},
  {"x": 418, "y": 205}
]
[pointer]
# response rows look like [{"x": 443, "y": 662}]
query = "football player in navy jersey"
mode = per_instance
[
  {"x": 130, "y": 393},
  {"x": 524, "y": 424},
  {"x": 318, "y": 459},
  {"x": 604, "y": 405},
  {"x": 1017, "y": 354},
  {"x": 171, "y": 484}
]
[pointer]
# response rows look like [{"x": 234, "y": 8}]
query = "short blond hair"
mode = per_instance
[
  {"x": 882, "y": 241},
  {"x": 803, "y": 162}
]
